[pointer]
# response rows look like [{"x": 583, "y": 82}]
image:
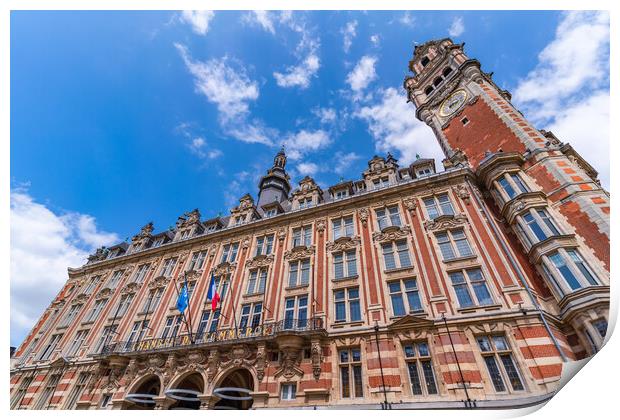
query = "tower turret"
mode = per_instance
[{"x": 275, "y": 186}]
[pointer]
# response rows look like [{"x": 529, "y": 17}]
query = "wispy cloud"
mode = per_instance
[
  {"x": 307, "y": 168},
  {"x": 262, "y": 18},
  {"x": 393, "y": 126},
  {"x": 457, "y": 28},
  {"x": 570, "y": 85},
  {"x": 198, "y": 19},
  {"x": 348, "y": 32},
  {"x": 407, "y": 19},
  {"x": 43, "y": 244},
  {"x": 375, "y": 39},
  {"x": 325, "y": 115},
  {"x": 300, "y": 74},
  {"x": 198, "y": 146},
  {"x": 362, "y": 74},
  {"x": 302, "y": 142},
  {"x": 344, "y": 161}
]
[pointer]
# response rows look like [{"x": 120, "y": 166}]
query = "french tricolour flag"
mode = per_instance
[{"x": 212, "y": 293}]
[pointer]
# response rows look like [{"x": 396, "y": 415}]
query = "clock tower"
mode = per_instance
[{"x": 477, "y": 126}]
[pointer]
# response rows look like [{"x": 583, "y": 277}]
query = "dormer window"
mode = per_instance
[
  {"x": 425, "y": 60},
  {"x": 305, "y": 203},
  {"x": 381, "y": 182},
  {"x": 447, "y": 71},
  {"x": 185, "y": 234},
  {"x": 437, "y": 81},
  {"x": 112, "y": 253},
  {"x": 424, "y": 172},
  {"x": 211, "y": 228},
  {"x": 158, "y": 242},
  {"x": 271, "y": 212},
  {"x": 340, "y": 194},
  {"x": 239, "y": 220},
  {"x": 428, "y": 90}
]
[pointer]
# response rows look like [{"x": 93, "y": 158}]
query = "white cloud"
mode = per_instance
[
  {"x": 299, "y": 75},
  {"x": 325, "y": 115},
  {"x": 199, "y": 147},
  {"x": 348, "y": 34},
  {"x": 43, "y": 245},
  {"x": 393, "y": 125},
  {"x": 263, "y": 18},
  {"x": 568, "y": 93},
  {"x": 302, "y": 142},
  {"x": 307, "y": 168},
  {"x": 407, "y": 19},
  {"x": 198, "y": 19},
  {"x": 343, "y": 161},
  {"x": 363, "y": 73},
  {"x": 457, "y": 28},
  {"x": 254, "y": 131},
  {"x": 375, "y": 39}
]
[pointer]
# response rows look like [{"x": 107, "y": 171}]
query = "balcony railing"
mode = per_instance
[{"x": 226, "y": 335}]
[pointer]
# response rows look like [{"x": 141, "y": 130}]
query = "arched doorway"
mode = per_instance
[
  {"x": 192, "y": 382},
  {"x": 151, "y": 385},
  {"x": 240, "y": 378}
]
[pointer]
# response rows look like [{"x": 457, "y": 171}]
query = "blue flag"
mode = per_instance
[{"x": 183, "y": 299}]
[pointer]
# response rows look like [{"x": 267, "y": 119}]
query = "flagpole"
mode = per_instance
[
  {"x": 189, "y": 308},
  {"x": 183, "y": 313}
]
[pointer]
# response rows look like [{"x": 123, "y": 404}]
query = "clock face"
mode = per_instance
[{"x": 453, "y": 103}]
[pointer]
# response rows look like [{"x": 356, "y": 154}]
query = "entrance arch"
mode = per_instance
[
  {"x": 149, "y": 385},
  {"x": 238, "y": 378},
  {"x": 192, "y": 382}
]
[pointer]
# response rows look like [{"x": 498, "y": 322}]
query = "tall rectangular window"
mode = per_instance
[
  {"x": 438, "y": 205},
  {"x": 168, "y": 267},
  {"x": 251, "y": 315},
  {"x": 497, "y": 356},
  {"x": 564, "y": 269},
  {"x": 152, "y": 300},
  {"x": 172, "y": 326},
  {"x": 405, "y": 296},
  {"x": 343, "y": 227},
  {"x": 396, "y": 255},
  {"x": 18, "y": 397},
  {"x": 299, "y": 273},
  {"x": 453, "y": 244},
  {"x": 512, "y": 184},
  {"x": 73, "y": 311},
  {"x": 466, "y": 281},
  {"x": 257, "y": 281},
  {"x": 95, "y": 311},
  {"x": 51, "y": 346},
  {"x": 107, "y": 337},
  {"x": 350, "y": 364},
  {"x": 601, "y": 326},
  {"x": 295, "y": 312},
  {"x": 302, "y": 236},
  {"x": 345, "y": 264},
  {"x": 229, "y": 253},
  {"x": 114, "y": 279},
  {"x": 208, "y": 323},
  {"x": 420, "y": 369},
  {"x": 77, "y": 391},
  {"x": 138, "y": 329},
  {"x": 388, "y": 216},
  {"x": 78, "y": 340},
  {"x": 347, "y": 305},
  {"x": 91, "y": 285},
  {"x": 264, "y": 245},
  {"x": 288, "y": 392},
  {"x": 123, "y": 304},
  {"x": 198, "y": 259},
  {"x": 583, "y": 268},
  {"x": 140, "y": 273},
  {"x": 50, "y": 387}
]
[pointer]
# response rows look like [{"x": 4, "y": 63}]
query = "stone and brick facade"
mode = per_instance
[{"x": 466, "y": 287}]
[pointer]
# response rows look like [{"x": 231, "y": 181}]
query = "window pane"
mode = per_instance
[
  {"x": 340, "y": 311},
  {"x": 482, "y": 293},
  {"x": 446, "y": 250},
  {"x": 496, "y": 377},
  {"x": 398, "y": 305},
  {"x": 517, "y": 180},
  {"x": 568, "y": 275},
  {"x": 431, "y": 208},
  {"x": 446, "y": 206},
  {"x": 403, "y": 254},
  {"x": 388, "y": 256},
  {"x": 423, "y": 349},
  {"x": 507, "y": 187},
  {"x": 484, "y": 344},
  {"x": 344, "y": 378},
  {"x": 413, "y": 298},
  {"x": 409, "y": 350},
  {"x": 354, "y": 307},
  {"x": 511, "y": 372},
  {"x": 500, "y": 343},
  {"x": 351, "y": 266},
  {"x": 463, "y": 296},
  {"x": 429, "y": 377},
  {"x": 582, "y": 266},
  {"x": 416, "y": 387},
  {"x": 357, "y": 379}
]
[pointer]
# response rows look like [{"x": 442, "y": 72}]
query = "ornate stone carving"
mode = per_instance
[
  {"x": 410, "y": 203},
  {"x": 79, "y": 299},
  {"x": 245, "y": 243},
  {"x": 99, "y": 255},
  {"x": 259, "y": 261},
  {"x": 281, "y": 234},
  {"x": 224, "y": 268},
  {"x": 445, "y": 222},
  {"x": 391, "y": 233},
  {"x": 193, "y": 275},
  {"x": 159, "y": 281},
  {"x": 104, "y": 293},
  {"x": 343, "y": 244},
  {"x": 261, "y": 359},
  {"x": 317, "y": 356},
  {"x": 363, "y": 215},
  {"x": 321, "y": 224},
  {"x": 239, "y": 355},
  {"x": 519, "y": 205},
  {"x": 145, "y": 233},
  {"x": 132, "y": 287},
  {"x": 458, "y": 159},
  {"x": 299, "y": 252},
  {"x": 462, "y": 192},
  {"x": 289, "y": 363},
  {"x": 213, "y": 363},
  {"x": 188, "y": 219}
]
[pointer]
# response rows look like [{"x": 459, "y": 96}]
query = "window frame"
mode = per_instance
[
  {"x": 347, "y": 262},
  {"x": 468, "y": 283},
  {"x": 419, "y": 360},
  {"x": 558, "y": 277},
  {"x": 403, "y": 293},
  {"x": 497, "y": 353},
  {"x": 438, "y": 205},
  {"x": 355, "y": 382},
  {"x": 390, "y": 215},
  {"x": 343, "y": 227},
  {"x": 347, "y": 301},
  {"x": 451, "y": 241}
]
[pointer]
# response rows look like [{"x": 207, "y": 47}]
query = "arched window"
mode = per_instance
[
  {"x": 428, "y": 90},
  {"x": 425, "y": 61},
  {"x": 447, "y": 71},
  {"x": 437, "y": 81}
]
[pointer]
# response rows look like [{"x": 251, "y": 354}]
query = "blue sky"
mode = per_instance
[{"x": 120, "y": 118}]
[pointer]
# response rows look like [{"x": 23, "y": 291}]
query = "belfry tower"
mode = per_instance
[
  {"x": 476, "y": 124},
  {"x": 275, "y": 186}
]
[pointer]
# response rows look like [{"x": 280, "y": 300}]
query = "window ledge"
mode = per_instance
[
  {"x": 88, "y": 322},
  {"x": 297, "y": 287},
  {"x": 459, "y": 259},
  {"x": 252, "y": 295},
  {"x": 347, "y": 324},
  {"x": 344, "y": 279},
  {"x": 490, "y": 307},
  {"x": 398, "y": 269},
  {"x": 420, "y": 312}
]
